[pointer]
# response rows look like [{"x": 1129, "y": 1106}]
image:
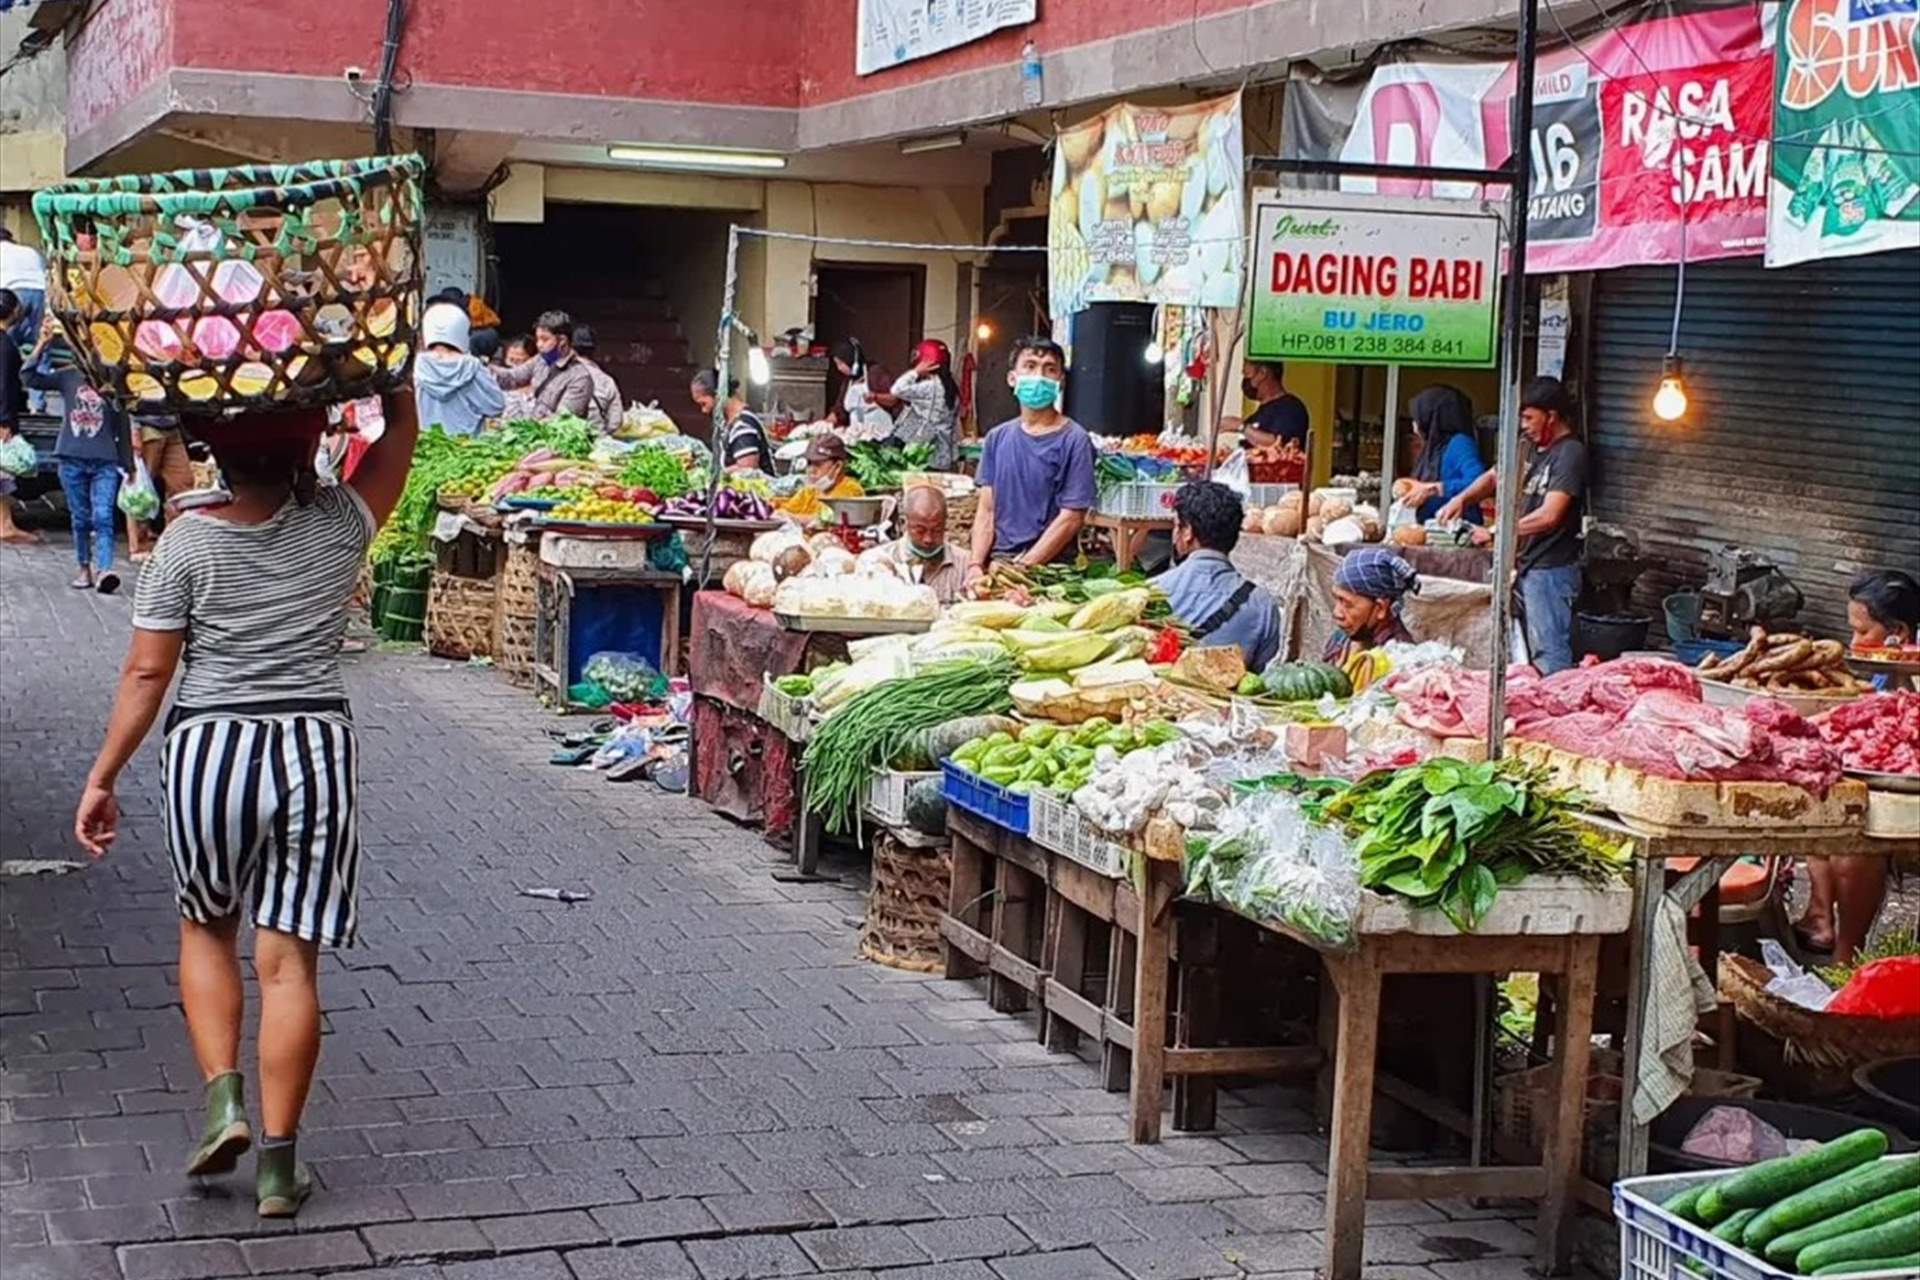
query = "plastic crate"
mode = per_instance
[
  {"x": 1266, "y": 495},
  {"x": 1137, "y": 500},
  {"x": 1656, "y": 1245},
  {"x": 887, "y": 795},
  {"x": 792, "y": 716},
  {"x": 1057, "y": 825},
  {"x": 984, "y": 799}
]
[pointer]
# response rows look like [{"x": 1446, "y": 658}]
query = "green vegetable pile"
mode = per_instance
[
  {"x": 1843, "y": 1208},
  {"x": 656, "y": 468},
  {"x": 1051, "y": 757},
  {"x": 877, "y": 464},
  {"x": 865, "y": 733},
  {"x": 1448, "y": 834},
  {"x": 467, "y": 464},
  {"x": 795, "y": 686}
]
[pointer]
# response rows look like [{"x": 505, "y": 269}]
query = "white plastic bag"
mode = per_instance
[{"x": 138, "y": 498}]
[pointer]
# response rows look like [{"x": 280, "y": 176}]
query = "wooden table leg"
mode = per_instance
[
  {"x": 1151, "y": 952},
  {"x": 1012, "y": 929},
  {"x": 1065, "y": 957},
  {"x": 1197, "y": 1020},
  {"x": 1649, "y": 888},
  {"x": 1574, "y": 992},
  {"x": 964, "y": 902},
  {"x": 1327, "y": 1029},
  {"x": 1116, "y": 1061},
  {"x": 1356, "y": 1047}
]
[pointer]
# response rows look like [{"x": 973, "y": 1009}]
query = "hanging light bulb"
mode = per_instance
[
  {"x": 759, "y": 369},
  {"x": 1670, "y": 401},
  {"x": 983, "y": 332},
  {"x": 1154, "y": 355}
]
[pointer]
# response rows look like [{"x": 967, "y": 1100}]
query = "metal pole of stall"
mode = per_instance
[{"x": 1389, "y": 438}]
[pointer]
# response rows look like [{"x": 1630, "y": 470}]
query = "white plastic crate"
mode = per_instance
[
  {"x": 1266, "y": 495},
  {"x": 887, "y": 795},
  {"x": 1656, "y": 1245},
  {"x": 790, "y": 715},
  {"x": 1137, "y": 500},
  {"x": 1056, "y": 825}
]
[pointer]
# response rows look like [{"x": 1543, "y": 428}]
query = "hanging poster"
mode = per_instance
[
  {"x": 897, "y": 31},
  {"x": 1147, "y": 207},
  {"x": 1372, "y": 280},
  {"x": 1846, "y": 151},
  {"x": 1644, "y": 139}
]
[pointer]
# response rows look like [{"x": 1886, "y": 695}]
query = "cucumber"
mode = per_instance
[
  {"x": 1888, "y": 1240},
  {"x": 1863, "y": 1197},
  {"x": 1711, "y": 1207},
  {"x": 1730, "y": 1229},
  {"x": 1760, "y": 1185},
  {"x": 1905, "y": 1262},
  {"x": 1685, "y": 1204}
]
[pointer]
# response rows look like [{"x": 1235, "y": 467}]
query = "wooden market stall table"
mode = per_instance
[
  {"x": 601, "y": 594},
  {"x": 1128, "y": 533}
]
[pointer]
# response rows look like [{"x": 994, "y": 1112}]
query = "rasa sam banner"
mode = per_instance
[{"x": 1359, "y": 280}]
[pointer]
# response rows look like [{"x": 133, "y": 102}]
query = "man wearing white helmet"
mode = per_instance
[{"x": 455, "y": 391}]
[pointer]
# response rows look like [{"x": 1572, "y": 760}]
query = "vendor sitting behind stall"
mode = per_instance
[
  {"x": 745, "y": 444},
  {"x": 1204, "y": 590},
  {"x": 1036, "y": 470},
  {"x": 827, "y": 479},
  {"x": 1367, "y": 590},
  {"x": 923, "y": 555}
]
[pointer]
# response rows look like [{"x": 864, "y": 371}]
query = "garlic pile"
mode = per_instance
[{"x": 1127, "y": 790}]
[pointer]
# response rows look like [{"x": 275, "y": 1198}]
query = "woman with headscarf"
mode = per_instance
[
  {"x": 931, "y": 396},
  {"x": 857, "y": 395},
  {"x": 1449, "y": 455},
  {"x": 1367, "y": 590}
]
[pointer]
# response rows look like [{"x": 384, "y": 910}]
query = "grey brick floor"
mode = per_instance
[{"x": 691, "y": 1076}]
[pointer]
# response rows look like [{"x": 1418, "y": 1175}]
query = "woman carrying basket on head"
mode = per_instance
[{"x": 259, "y": 766}]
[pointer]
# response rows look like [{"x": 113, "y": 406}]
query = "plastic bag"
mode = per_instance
[
  {"x": 1734, "y": 1135},
  {"x": 1269, "y": 862},
  {"x": 627, "y": 677},
  {"x": 138, "y": 498},
  {"x": 1885, "y": 988},
  {"x": 18, "y": 458}
]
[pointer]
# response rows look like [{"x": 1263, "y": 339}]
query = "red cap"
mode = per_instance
[{"x": 935, "y": 350}]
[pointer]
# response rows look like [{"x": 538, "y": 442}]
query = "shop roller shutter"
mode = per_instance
[{"x": 1802, "y": 437}]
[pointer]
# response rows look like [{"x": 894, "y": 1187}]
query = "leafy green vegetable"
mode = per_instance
[
  {"x": 441, "y": 460},
  {"x": 877, "y": 464},
  {"x": 658, "y": 469}
]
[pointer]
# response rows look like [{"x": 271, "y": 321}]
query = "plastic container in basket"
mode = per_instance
[
  {"x": 1656, "y": 1245},
  {"x": 1137, "y": 500},
  {"x": 250, "y": 287},
  {"x": 887, "y": 794},
  {"x": 790, "y": 715},
  {"x": 1054, "y": 823},
  {"x": 985, "y": 799}
]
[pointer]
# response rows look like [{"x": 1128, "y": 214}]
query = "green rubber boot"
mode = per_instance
[
  {"x": 281, "y": 1183},
  {"x": 227, "y": 1135}
]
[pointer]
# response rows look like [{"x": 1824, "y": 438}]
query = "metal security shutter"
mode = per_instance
[{"x": 1802, "y": 437}]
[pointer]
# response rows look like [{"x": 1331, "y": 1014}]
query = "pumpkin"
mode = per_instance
[{"x": 1306, "y": 681}]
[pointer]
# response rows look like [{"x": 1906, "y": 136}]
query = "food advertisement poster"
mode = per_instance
[
  {"x": 1846, "y": 128},
  {"x": 1372, "y": 280},
  {"x": 897, "y": 31},
  {"x": 1645, "y": 139},
  {"x": 1146, "y": 207}
]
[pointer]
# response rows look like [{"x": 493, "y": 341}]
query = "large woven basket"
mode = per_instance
[
  {"x": 460, "y": 615},
  {"x": 905, "y": 904},
  {"x": 516, "y": 602},
  {"x": 1826, "y": 1046},
  {"x": 261, "y": 286}
]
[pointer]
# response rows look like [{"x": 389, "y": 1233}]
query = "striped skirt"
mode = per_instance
[{"x": 260, "y": 807}]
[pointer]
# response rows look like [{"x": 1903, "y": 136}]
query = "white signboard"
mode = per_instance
[
  {"x": 897, "y": 31},
  {"x": 451, "y": 240}
]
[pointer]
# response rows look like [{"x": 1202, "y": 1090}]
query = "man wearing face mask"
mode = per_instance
[
  {"x": 560, "y": 381},
  {"x": 1281, "y": 417},
  {"x": 924, "y": 556},
  {"x": 1036, "y": 471},
  {"x": 1204, "y": 590},
  {"x": 1367, "y": 590},
  {"x": 827, "y": 478}
]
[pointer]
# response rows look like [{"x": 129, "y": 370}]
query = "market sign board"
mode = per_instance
[
  {"x": 896, "y": 31},
  {"x": 1359, "y": 280},
  {"x": 1846, "y": 127},
  {"x": 1147, "y": 207},
  {"x": 1649, "y": 142}
]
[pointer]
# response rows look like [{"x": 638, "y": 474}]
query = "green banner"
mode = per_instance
[
  {"x": 1846, "y": 130},
  {"x": 1356, "y": 280}
]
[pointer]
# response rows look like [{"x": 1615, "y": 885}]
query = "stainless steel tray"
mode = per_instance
[
  {"x": 853, "y": 626},
  {"x": 1876, "y": 780}
]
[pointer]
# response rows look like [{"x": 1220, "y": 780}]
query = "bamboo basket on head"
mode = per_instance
[{"x": 254, "y": 287}]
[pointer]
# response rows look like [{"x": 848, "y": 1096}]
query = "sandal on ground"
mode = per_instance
[{"x": 82, "y": 583}]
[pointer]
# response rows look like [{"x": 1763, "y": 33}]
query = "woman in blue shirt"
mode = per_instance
[{"x": 1449, "y": 455}]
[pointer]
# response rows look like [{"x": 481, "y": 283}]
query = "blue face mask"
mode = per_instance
[
  {"x": 551, "y": 355},
  {"x": 1036, "y": 391}
]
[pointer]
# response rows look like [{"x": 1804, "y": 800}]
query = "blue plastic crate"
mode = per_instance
[
  {"x": 984, "y": 799},
  {"x": 1691, "y": 652}
]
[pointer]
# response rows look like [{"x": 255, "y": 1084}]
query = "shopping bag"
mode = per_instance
[
  {"x": 138, "y": 498},
  {"x": 17, "y": 457}
]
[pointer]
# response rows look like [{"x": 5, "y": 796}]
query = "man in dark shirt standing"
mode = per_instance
[
  {"x": 1281, "y": 416},
  {"x": 1553, "y": 508}
]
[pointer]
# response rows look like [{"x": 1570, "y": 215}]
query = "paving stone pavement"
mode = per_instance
[{"x": 691, "y": 1076}]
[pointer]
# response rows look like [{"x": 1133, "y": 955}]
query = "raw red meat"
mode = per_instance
[{"x": 1879, "y": 732}]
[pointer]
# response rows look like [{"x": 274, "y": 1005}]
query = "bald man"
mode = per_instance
[{"x": 924, "y": 555}]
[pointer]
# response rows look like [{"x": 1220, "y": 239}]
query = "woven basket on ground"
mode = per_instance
[
  {"x": 1827, "y": 1046},
  {"x": 258, "y": 286},
  {"x": 516, "y": 601},
  {"x": 904, "y": 906},
  {"x": 460, "y": 616}
]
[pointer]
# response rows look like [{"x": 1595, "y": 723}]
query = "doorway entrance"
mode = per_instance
[{"x": 883, "y": 304}]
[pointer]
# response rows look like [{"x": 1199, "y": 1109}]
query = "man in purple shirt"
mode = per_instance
[{"x": 1036, "y": 471}]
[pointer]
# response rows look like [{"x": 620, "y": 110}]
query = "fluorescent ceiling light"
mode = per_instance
[
  {"x": 697, "y": 157},
  {"x": 939, "y": 142}
]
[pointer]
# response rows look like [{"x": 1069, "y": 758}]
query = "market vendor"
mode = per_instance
[
  {"x": 453, "y": 390},
  {"x": 1368, "y": 588},
  {"x": 931, "y": 397},
  {"x": 1036, "y": 471},
  {"x": 559, "y": 380},
  {"x": 1449, "y": 459},
  {"x": 1883, "y": 609},
  {"x": 609, "y": 410},
  {"x": 1552, "y": 508},
  {"x": 1204, "y": 590},
  {"x": 827, "y": 478},
  {"x": 1281, "y": 416},
  {"x": 745, "y": 446},
  {"x": 924, "y": 555},
  {"x": 856, "y": 397}
]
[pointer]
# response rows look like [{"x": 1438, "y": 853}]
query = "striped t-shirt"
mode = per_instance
[{"x": 264, "y": 605}]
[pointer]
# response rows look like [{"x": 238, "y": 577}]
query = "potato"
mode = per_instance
[
  {"x": 1410, "y": 535},
  {"x": 1296, "y": 502}
]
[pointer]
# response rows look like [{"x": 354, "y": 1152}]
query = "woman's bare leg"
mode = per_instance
[
  {"x": 211, "y": 994},
  {"x": 289, "y": 1027},
  {"x": 1816, "y": 922},
  {"x": 1859, "y": 888}
]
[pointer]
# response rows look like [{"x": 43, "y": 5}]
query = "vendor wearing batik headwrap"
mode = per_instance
[{"x": 1367, "y": 590}]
